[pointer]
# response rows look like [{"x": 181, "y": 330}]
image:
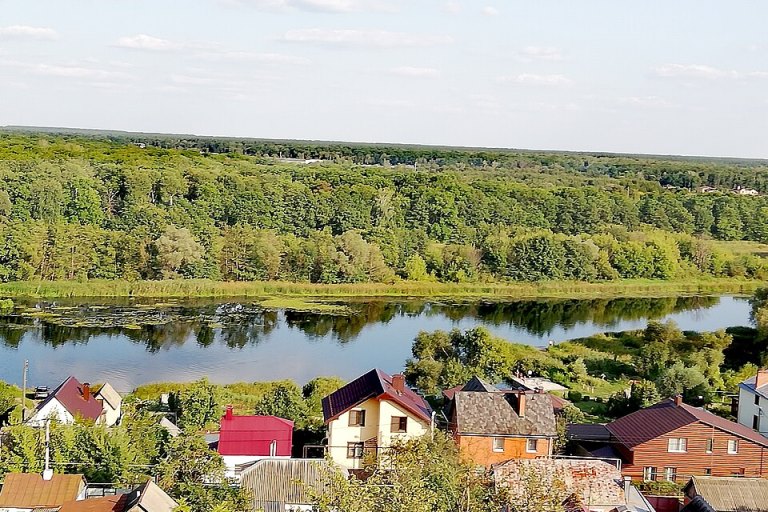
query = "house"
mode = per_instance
[
  {"x": 145, "y": 498},
  {"x": 753, "y": 402},
  {"x": 586, "y": 485},
  {"x": 673, "y": 441},
  {"x": 111, "y": 404},
  {"x": 73, "y": 399},
  {"x": 367, "y": 414},
  {"x": 744, "y": 191},
  {"x": 27, "y": 492},
  {"x": 492, "y": 426},
  {"x": 246, "y": 439},
  {"x": 726, "y": 494},
  {"x": 285, "y": 485},
  {"x": 536, "y": 383},
  {"x": 170, "y": 427}
]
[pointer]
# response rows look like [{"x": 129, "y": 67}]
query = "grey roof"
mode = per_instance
[
  {"x": 749, "y": 385},
  {"x": 273, "y": 483},
  {"x": 587, "y": 432},
  {"x": 150, "y": 498},
  {"x": 478, "y": 384},
  {"x": 731, "y": 494},
  {"x": 495, "y": 413}
]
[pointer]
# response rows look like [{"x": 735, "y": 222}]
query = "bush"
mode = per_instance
[
  {"x": 6, "y": 305},
  {"x": 575, "y": 396}
]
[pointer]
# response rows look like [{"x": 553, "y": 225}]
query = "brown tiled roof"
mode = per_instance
[
  {"x": 70, "y": 395},
  {"x": 654, "y": 421},
  {"x": 731, "y": 494},
  {"x": 105, "y": 504},
  {"x": 373, "y": 384},
  {"x": 495, "y": 413},
  {"x": 590, "y": 481},
  {"x": 29, "y": 490}
]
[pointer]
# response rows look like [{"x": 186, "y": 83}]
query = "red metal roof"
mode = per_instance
[
  {"x": 253, "y": 435},
  {"x": 70, "y": 395},
  {"x": 373, "y": 384},
  {"x": 654, "y": 421}
]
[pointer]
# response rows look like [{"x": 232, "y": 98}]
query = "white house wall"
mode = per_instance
[
  {"x": 51, "y": 410},
  {"x": 748, "y": 410}
]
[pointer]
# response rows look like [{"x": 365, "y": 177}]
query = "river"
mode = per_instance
[{"x": 131, "y": 343}]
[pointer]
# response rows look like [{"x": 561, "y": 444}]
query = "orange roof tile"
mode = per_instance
[{"x": 29, "y": 490}]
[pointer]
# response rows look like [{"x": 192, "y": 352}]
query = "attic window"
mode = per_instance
[{"x": 677, "y": 445}]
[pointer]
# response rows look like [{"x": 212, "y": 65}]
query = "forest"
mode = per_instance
[{"x": 145, "y": 207}]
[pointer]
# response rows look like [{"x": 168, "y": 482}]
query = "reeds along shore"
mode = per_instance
[{"x": 200, "y": 288}]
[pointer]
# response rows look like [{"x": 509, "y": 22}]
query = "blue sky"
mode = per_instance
[{"x": 657, "y": 76}]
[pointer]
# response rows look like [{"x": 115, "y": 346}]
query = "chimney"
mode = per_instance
[
  {"x": 761, "y": 379},
  {"x": 521, "y": 398},
  {"x": 228, "y": 414},
  {"x": 398, "y": 382},
  {"x": 627, "y": 488},
  {"x": 678, "y": 400},
  {"x": 47, "y": 475},
  {"x": 86, "y": 391}
]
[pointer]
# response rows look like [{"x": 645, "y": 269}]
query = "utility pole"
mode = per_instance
[{"x": 24, "y": 391}]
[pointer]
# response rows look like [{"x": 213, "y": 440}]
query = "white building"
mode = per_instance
[
  {"x": 753, "y": 402},
  {"x": 368, "y": 414},
  {"x": 73, "y": 399}
]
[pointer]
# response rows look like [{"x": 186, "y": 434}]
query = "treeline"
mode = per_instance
[{"x": 75, "y": 208}]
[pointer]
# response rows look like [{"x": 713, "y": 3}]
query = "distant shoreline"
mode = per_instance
[{"x": 201, "y": 288}]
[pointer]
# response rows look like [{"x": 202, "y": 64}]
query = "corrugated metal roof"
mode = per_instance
[
  {"x": 253, "y": 435},
  {"x": 105, "y": 504},
  {"x": 731, "y": 494},
  {"x": 70, "y": 395},
  {"x": 494, "y": 413},
  {"x": 29, "y": 490},
  {"x": 373, "y": 384},
  {"x": 654, "y": 421},
  {"x": 273, "y": 483},
  {"x": 587, "y": 432}
]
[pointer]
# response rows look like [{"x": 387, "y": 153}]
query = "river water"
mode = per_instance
[{"x": 132, "y": 343}]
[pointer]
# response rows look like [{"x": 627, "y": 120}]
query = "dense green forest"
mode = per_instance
[{"x": 149, "y": 207}]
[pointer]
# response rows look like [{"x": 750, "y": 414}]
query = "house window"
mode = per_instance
[
  {"x": 757, "y": 399},
  {"x": 677, "y": 445},
  {"x": 531, "y": 445},
  {"x": 355, "y": 450},
  {"x": 498, "y": 444},
  {"x": 733, "y": 446},
  {"x": 399, "y": 424},
  {"x": 708, "y": 471},
  {"x": 670, "y": 474},
  {"x": 356, "y": 418},
  {"x": 755, "y": 422},
  {"x": 710, "y": 445},
  {"x": 649, "y": 473}
]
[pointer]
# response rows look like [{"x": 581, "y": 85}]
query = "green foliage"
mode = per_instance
[
  {"x": 6, "y": 305},
  {"x": 442, "y": 360},
  {"x": 420, "y": 475},
  {"x": 79, "y": 208},
  {"x": 642, "y": 394},
  {"x": 284, "y": 400},
  {"x": 197, "y": 405}
]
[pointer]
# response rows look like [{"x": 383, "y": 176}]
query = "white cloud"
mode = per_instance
[
  {"x": 364, "y": 38},
  {"x": 534, "y": 79},
  {"x": 327, "y": 6},
  {"x": 530, "y": 53},
  {"x": 490, "y": 11},
  {"x": 704, "y": 72},
  {"x": 146, "y": 42},
  {"x": 415, "y": 72},
  {"x": 646, "y": 102},
  {"x": 266, "y": 57},
  {"x": 27, "y": 32},
  {"x": 77, "y": 72}
]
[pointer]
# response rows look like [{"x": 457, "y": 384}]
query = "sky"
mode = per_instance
[{"x": 683, "y": 77}]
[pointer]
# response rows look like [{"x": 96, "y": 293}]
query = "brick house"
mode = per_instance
[
  {"x": 492, "y": 426},
  {"x": 674, "y": 441}
]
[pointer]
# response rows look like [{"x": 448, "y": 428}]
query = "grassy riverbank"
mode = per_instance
[{"x": 199, "y": 288}]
